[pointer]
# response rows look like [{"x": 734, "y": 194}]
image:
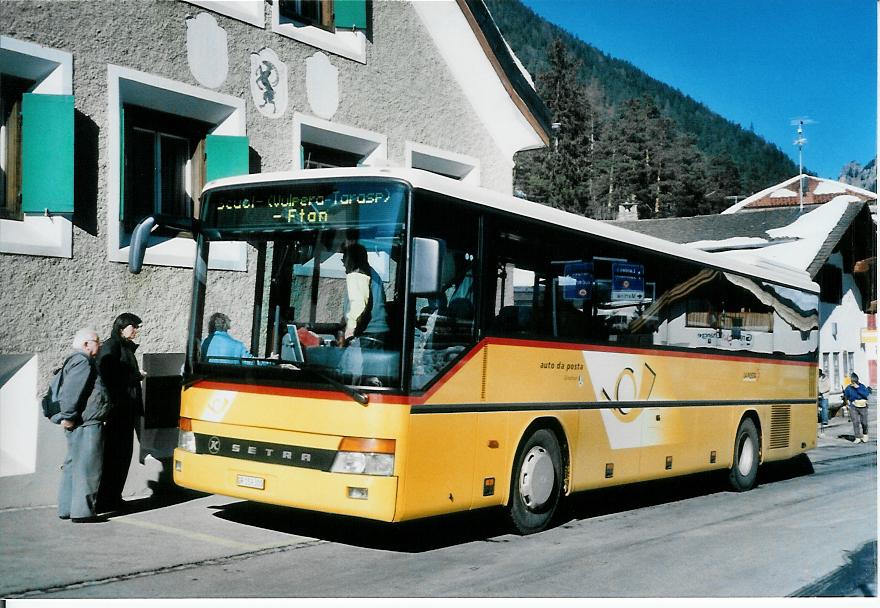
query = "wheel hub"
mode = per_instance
[
  {"x": 536, "y": 478},
  {"x": 746, "y": 455}
]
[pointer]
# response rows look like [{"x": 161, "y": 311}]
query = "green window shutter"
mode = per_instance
[
  {"x": 225, "y": 155},
  {"x": 46, "y": 153},
  {"x": 351, "y": 14}
]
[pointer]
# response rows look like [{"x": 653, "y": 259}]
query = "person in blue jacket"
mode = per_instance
[
  {"x": 856, "y": 395},
  {"x": 220, "y": 347}
]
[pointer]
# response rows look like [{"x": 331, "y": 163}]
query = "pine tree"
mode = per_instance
[{"x": 561, "y": 175}]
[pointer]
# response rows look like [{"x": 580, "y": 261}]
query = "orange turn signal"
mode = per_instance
[
  {"x": 186, "y": 424},
  {"x": 365, "y": 444}
]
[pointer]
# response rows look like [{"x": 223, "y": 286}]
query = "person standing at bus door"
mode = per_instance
[
  {"x": 119, "y": 370},
  {"x": 84, "y": 406},
  {"x": 220, "y": 347},
  {"x": 823, "y": 388},
  {"x": 856, "y": 395}
]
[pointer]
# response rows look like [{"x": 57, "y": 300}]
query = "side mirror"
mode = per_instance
[
  {"x": 427, "y": 260},
  {"x": 138, "y": 245}
]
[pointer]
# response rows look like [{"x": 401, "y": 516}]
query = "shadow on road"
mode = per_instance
[
  {"x": 488, "y": 524},
  {"x": 163, "y": 496},
  {"x": 406, "y": 537},
  {"x": 856, "y": 578},
  {"x": 651, "y": 493}
]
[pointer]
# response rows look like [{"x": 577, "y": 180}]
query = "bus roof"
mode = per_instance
[{"x": 767, "y": 270}]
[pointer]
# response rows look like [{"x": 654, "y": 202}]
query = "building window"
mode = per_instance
[
  {"x": 36, "y": 149},
  {"x": 324, "y": 144},
  {"x": 325, "y": 14},
  {"x": 336, "y": 26},
  {"x": 11, "y": 91},
  {"x": 835, "y": 378},
  {"x": 831, "y": 284},
  {"x": 825, "y": 367},
  {"x": 164, "y": 164},
  {"x": 167, "y": 139},
  {"x": 448, "y": 164},
  {"x": 321, "y": 157},
  {"x": 308, "y": 12},
  {"x": 848, "y": 364}
]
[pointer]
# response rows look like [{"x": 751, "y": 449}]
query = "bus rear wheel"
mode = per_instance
[
  {"x": 536, "y": 484},
  {"x": 746, "y": 456}
]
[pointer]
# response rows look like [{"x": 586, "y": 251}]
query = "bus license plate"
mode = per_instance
[{"x": 249, "y": 481}]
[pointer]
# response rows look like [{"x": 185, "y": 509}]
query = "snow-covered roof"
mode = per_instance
[
  {"x": 829, "y": 187},
  {"x": 800, "y": 241},
  {"x": 820, "y": 188}
]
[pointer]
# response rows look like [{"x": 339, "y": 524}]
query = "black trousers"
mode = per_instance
[{"x": 118, "y": 449}]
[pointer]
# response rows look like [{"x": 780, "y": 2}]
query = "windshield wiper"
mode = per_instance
[{"x": 358, "y": 396}]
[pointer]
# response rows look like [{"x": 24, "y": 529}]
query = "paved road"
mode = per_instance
[{"x": 810, "y": 528}]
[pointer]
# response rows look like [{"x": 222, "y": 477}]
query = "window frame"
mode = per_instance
[
  {"x": 461, "y": 167},
  {"x": 227, "y": 115},
  {"x": 248, "y": 11},
  {"x": 52, "y": 72},
  {"x": 162, "y": 125},
  {"x": 345, "y": 43},
  {"x": 371, "y": 146}
]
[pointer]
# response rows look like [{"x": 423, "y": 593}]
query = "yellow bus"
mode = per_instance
[{"x": 513, "y": 353}]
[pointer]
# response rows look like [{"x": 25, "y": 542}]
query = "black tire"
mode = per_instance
[
  {"x": 536, "y": 483},
  {"x": 746, "y": 457}
]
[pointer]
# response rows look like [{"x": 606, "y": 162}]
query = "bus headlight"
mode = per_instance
[
  {"x": 363, "y": 464},
  {"x": 186, "y": 439},
  {"x": 364, "y": 457}
]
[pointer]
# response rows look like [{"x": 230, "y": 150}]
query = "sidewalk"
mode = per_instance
[
  {"x": 39, "y": 552},
  {"x": 839, "y": 435}
]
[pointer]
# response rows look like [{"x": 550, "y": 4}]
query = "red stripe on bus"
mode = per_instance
[
  {"x": 271, "y": 390},
  {"x": 423, "y": 399}
]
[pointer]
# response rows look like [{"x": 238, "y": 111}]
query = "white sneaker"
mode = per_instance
[
  {"x": 857, "y": 440},
  {"x": 864, "y": 439}
]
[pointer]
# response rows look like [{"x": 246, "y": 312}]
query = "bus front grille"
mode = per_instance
[{"x": 780, "y": 426}]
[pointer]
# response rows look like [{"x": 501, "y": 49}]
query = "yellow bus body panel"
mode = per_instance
[{"x": 456, "y": 445}]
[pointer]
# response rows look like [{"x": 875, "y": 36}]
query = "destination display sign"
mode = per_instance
[{"x": 304, "y": 206}]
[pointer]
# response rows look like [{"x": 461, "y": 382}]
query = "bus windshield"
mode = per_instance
[{"x": 324, "y": 301}]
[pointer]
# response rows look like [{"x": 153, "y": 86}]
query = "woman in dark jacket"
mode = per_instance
[{"x": 122, "y": 377}]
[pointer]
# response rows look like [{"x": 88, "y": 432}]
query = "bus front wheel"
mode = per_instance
[
  {"x": 536, "y": 484},
  {"x": 746, "y": 456}
]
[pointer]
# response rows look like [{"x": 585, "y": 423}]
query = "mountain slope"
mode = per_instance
[{"x": 614, "y": 81}]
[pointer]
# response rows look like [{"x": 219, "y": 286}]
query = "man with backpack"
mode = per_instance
[{"x": 83, "y": 406}]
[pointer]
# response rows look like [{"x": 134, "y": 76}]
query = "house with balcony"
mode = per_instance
[{"x": 829, "y": 230}]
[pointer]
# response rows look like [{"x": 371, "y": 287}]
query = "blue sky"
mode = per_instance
[{"x": 755, "y": 62}]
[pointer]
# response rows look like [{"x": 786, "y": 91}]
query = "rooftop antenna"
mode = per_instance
[{"x": 799, "y": 142}]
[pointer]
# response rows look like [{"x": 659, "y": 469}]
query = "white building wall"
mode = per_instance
[{"x": 841, "y": 328}]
